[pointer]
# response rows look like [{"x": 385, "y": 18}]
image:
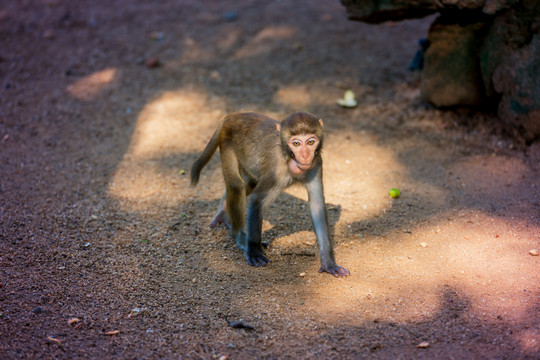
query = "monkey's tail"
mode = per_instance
[{"x": 205, "y": 156}]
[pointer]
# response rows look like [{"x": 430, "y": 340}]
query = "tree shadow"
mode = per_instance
[
  {"x": 104, "y": 246},
  {"x": 452, "y": 331}
]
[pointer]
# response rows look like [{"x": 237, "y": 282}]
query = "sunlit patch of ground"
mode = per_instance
[
  {"x": 151, "y": 171},
  {"x": 98, "y": 218},
  {"x": 402, "y": 275},
  {"x": 265, "y": 41},
  {"x": 91, "y": 86}
]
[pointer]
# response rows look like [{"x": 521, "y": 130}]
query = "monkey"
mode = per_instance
[{"x": 260, "y": 157}]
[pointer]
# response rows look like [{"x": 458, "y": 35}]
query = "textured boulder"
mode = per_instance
[
  {"x": 517, "y": 79},
  {"x": 452, "y": 73},
  {"x": 510, "y": 64},
  {"x": 481, "y": 51},
  {"x": 378, "y": 11}
]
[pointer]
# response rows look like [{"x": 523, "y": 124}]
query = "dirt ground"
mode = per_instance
[{"x": 105, "y": 250}]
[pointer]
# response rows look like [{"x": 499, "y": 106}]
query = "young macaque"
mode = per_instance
[{"x": 260, "y": 157}]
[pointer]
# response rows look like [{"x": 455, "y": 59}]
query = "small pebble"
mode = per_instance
[
  {"x": 230, "y": 16},
  {"x": 533, "y": 252},
  {"x": 157, "y": 36},
  {"x": 152, "y": 63},
  {"x": 48, "y": 34}
]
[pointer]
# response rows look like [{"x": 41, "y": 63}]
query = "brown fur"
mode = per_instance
[{"x": 257, "y": 165}]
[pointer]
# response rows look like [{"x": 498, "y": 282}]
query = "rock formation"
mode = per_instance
[{"x": 480, "y": 52}]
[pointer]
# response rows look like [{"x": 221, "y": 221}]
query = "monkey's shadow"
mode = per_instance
[{"x": 289, "y": 215}]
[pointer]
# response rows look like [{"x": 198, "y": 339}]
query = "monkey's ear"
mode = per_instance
[
  {"x": 321, "y": 122},
  {"x": 278, "y": 127}
]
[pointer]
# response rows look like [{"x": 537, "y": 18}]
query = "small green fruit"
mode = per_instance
[{"x": 394, "y": 193}]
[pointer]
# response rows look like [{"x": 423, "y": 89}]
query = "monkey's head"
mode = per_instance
[{"x": 301, "y": 140}]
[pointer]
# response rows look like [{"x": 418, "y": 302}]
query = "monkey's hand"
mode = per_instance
[
  {"x": 257, "y": 259},
  {"x": 335, "y": 270},
  {"x": 220, "y": 218}
]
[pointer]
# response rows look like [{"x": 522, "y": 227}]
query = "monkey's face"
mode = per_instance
[{"x": 302, "y": 150}]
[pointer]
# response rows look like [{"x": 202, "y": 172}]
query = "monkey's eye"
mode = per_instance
[
  {"x": 311, "y": 142},
  {"x": 296, "y": 143}
]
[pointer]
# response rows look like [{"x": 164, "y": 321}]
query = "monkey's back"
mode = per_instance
[{"x": 254, "y": 139}]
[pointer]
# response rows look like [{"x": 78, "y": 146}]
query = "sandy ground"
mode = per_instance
[{"x": 105, "y": 250}]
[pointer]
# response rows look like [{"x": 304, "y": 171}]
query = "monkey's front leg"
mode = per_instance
[
  {"x": 254, "y": 247},
  {"x": 319, "y": 218}
]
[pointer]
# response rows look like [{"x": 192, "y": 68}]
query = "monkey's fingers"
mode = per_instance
[
  {"x": 259, "y": 260},
  {"x": 337, "y": 271},
  {"x": 220, "y": 219}
]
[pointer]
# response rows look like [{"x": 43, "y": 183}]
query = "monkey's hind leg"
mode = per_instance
[
  {"x": 235, "y": 197},
  {"x": 221, "y": 216}
]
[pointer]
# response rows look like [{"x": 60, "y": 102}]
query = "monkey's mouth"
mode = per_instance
[
  {"x": 298, "y": 169},
  {"x": 303, "y": 166}
]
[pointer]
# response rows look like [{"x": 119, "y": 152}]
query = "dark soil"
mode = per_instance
[{"x": 105, "y": 250}]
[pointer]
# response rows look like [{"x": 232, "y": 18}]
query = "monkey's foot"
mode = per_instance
[
  {"x": 257, "y": 260},
  {"x": 335, "y": 270}
]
